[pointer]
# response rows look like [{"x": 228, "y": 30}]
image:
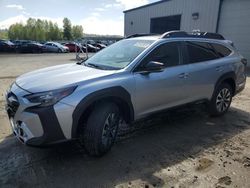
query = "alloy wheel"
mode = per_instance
[
  {"x": 223, "y": 100},
  {"x": 110, "y": 129}
]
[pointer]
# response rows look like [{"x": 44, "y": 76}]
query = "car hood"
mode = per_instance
[{"x": 58, "y": 77}]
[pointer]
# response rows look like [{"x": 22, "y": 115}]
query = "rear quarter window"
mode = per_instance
[
  {"x": 221, "y": 50},
  {"x": 200, "y": 51}
]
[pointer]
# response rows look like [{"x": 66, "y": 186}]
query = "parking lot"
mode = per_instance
[{"x": 180, "y": 148}]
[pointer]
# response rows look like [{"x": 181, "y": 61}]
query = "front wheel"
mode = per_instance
[
  {"x": 221, "y": 100},
  {"x": 101, "y": 129}
]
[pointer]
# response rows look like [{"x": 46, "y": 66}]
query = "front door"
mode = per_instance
[{"x": 159, "y": 90}]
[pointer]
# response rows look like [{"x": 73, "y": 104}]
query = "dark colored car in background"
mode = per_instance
[
  {"x": 7, "y": 46},
  {"x": 20, "y": 42},
  {"x": 30, "y": 47},
  {"x": 100, "y": 45},
  {"x": 92, "y": 48}
]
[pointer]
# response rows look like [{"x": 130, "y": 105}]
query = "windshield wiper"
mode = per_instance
[
  {"x": 102, "y": 67},
  {"x": 93, "y": 65}
]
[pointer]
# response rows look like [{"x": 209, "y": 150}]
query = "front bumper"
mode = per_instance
[
  {"x": 30, "y": 124},
  {"x": 26, "y": 127}
]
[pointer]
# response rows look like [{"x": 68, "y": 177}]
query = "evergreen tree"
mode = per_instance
[
  {"x": 67, "y": 29},
  {"x": 77, "y": 31}
]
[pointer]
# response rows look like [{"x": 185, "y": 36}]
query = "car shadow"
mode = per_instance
[{"x": 152, "y": 144}]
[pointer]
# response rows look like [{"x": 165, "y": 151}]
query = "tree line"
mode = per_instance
[{"x": 44, "y": 30}]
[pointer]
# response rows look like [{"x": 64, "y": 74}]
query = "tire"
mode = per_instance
[
  {"x": 100, "y": 132},
  {"x": 221, "y": 100},
  {"x": 59, "y": 51}
]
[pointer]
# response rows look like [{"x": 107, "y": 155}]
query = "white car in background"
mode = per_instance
[{"x": 55, "y": 47}]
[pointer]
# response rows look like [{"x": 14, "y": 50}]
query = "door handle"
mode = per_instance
[{"x": 184, "y": 75}]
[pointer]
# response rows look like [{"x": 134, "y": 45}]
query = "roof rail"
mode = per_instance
[
  {"x": 171, "y": 34},
  {"x": 141, "y": 35},
  {"x": 194, "y": 34}
]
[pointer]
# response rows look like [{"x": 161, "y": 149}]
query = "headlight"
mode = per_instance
[{"x": 50, "y": 97}]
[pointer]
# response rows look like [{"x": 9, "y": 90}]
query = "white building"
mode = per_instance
[{"x": 231, "y": 18}]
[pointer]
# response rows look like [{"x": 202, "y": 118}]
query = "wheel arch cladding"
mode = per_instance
[
  {"x": 229, "y": 78},
  {"x": 117, "y": 94}
]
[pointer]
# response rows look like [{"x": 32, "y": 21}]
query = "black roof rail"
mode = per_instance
[
  {"x": 171, "y": 34},
  {"x": 194, "y": 34},
  {"x": 141, "y": 35}
]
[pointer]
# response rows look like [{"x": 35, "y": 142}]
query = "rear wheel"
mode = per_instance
[
  {"x": 100, "y": 132},
  {"x": 221, "y": 100}
]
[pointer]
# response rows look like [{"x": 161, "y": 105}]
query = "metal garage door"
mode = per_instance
[
  {"x": 234, "y": 24},
  {"x": 164, "y": 24}
]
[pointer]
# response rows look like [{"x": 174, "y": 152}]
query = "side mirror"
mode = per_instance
[{"x": 153, "y": 66}]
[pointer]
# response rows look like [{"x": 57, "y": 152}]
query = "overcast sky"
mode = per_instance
[{"x": 96, "y": 16}]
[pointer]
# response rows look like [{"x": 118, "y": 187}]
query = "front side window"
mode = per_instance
[
  {"x": 167, "y": 53},
  {"x": 118, "y": 55},
  {"x": 200, "y": 51}
]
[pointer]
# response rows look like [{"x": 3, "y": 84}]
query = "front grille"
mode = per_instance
[{"x": 12, "y": 104}]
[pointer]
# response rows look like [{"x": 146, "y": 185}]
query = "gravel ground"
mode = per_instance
[{"x": 181, "y": 148}]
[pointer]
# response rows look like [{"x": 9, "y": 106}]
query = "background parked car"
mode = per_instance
[
  {"x": 92, "y": 48},
  {"x": 20, "y": 42},
  {"x": 55, "y": 47},
  {"x": 100, "y": 45},
  {"x": 73, "y": 47},
  {"x": 7, "y": 46},
  {"x": 30, "y": 47}
]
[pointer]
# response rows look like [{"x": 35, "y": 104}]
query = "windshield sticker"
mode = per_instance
[{"x": 141, "y": 44}]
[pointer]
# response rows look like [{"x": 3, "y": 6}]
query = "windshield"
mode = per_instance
[{"x": 118, "y": 55}]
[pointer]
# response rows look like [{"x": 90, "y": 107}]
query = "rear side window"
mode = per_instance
[
  {"x": 221, "y": 50},
  {"x": 200, "y": 51}
]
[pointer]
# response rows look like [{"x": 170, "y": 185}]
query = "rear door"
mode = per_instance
[{"x": 204, "y": 69}]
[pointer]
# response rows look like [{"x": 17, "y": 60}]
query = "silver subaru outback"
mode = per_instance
[{"x": 127, "y": 81}]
